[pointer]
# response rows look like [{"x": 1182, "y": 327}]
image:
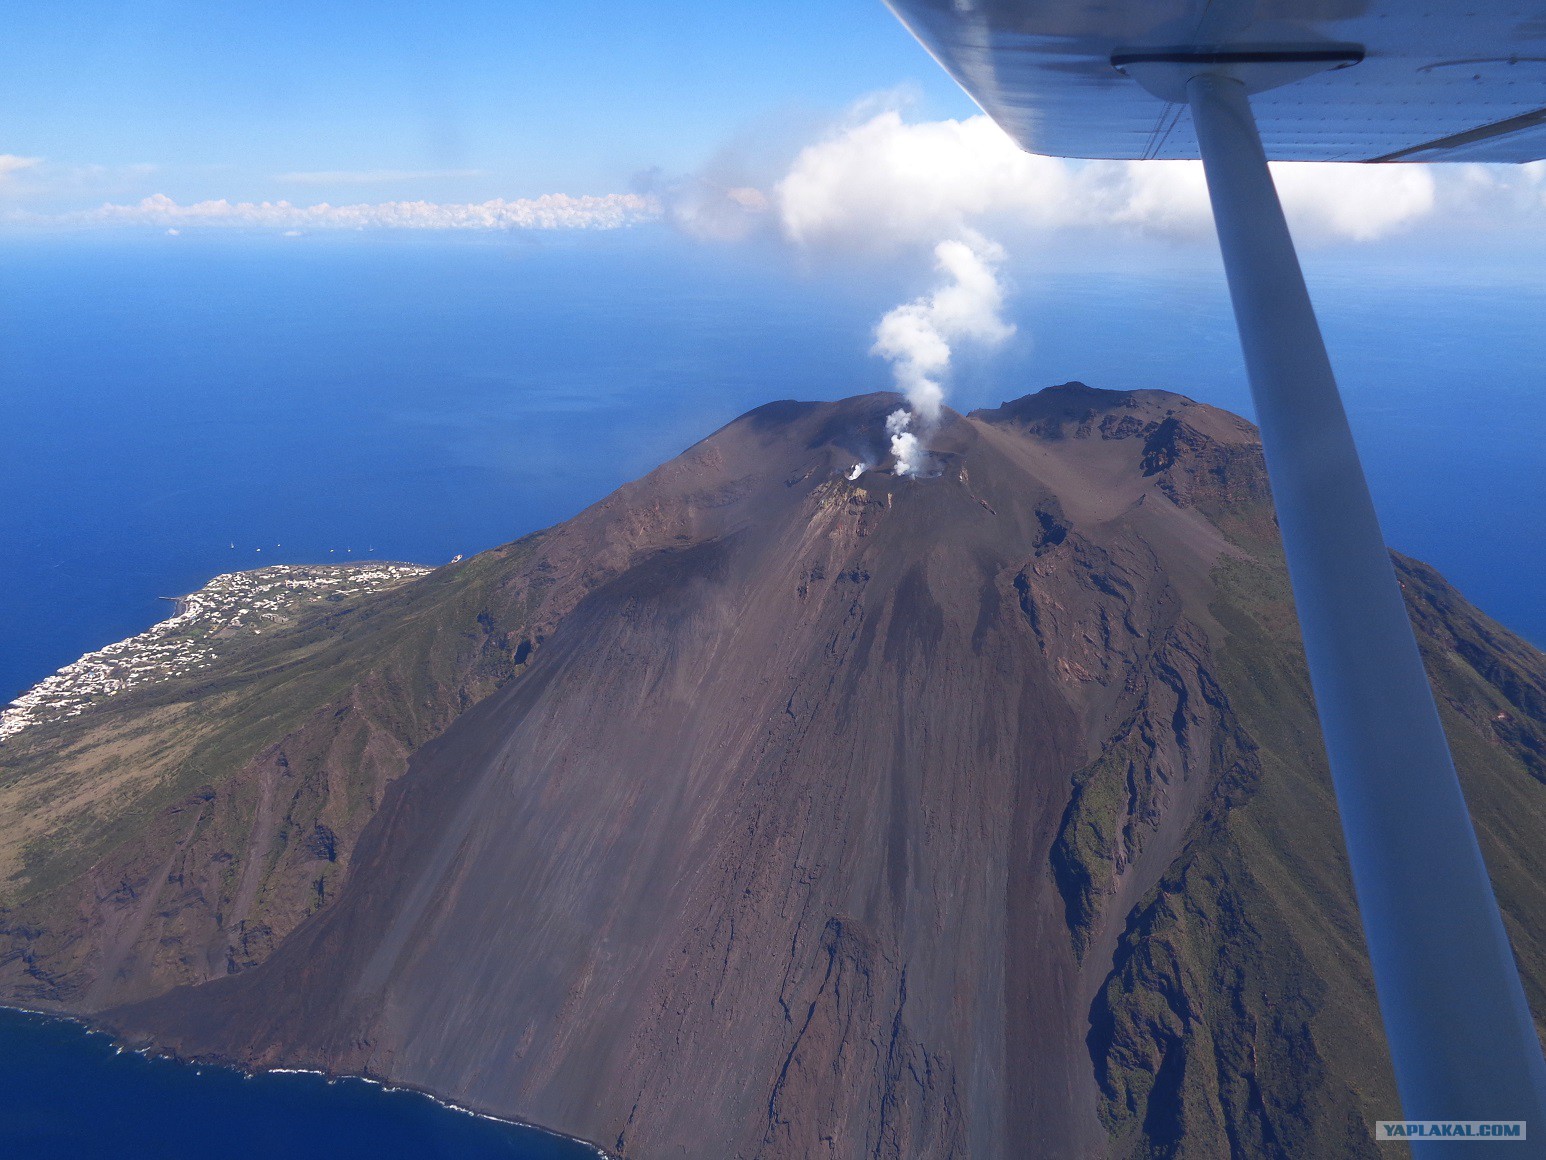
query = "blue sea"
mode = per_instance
[
  {"x": 175, "y": 407},
  {"x": 69, "y": 1095}
]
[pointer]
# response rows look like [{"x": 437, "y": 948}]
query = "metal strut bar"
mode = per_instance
[{"x": 1461, "y": 1036}]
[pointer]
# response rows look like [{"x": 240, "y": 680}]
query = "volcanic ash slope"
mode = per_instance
[{"x": 980, "y": 815}]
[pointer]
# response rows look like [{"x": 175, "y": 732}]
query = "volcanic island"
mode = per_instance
[{"x": 779, "y": 805}]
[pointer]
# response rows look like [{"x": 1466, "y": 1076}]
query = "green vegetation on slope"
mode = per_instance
[
  {"x": 264, "y": 690},
  {"x": 258, "y": 775},
  {"x": 1240, "y": 1017}
]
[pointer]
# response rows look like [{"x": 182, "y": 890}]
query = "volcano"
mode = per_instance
[{"x": 763, "y": 811}]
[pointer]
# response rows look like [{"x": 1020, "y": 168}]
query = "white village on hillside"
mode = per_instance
[{"x": 233, "y": 605}]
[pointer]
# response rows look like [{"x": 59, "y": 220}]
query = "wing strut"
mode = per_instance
[{"x": 1461, "y": 1037}]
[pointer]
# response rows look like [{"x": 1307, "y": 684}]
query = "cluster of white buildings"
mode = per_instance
[{"x": 235, "y": 604}]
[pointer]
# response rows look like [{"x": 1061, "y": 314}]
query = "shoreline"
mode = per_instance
[
  {"x": 179, "y": 603},
  {"x": 152, "y": 1051}
]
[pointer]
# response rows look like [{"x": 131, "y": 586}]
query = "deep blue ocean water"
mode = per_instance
[
  {"x": 162, "y": 399},
  {"x": 171, "y": 408},
  {"x": 68, "y": 1095}
]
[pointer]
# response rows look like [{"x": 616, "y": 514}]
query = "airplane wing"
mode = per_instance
[
  {"x": 1236, "y": 83},
  {"x": 1435, "y": 82}
]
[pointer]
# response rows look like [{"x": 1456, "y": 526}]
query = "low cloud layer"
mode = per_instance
[
  {"x": 886, "y": 183},
  {"x": 11, "y": 165},
  {"x": 876, "y": 182},
  {"x": 552, "y": 211}
]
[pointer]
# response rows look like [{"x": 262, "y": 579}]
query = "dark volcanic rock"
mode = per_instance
[{"x": 768, "y": 814}]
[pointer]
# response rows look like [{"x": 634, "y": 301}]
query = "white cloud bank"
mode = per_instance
[
  {"x": 553, "y": 211},
  {"x": 11, "y": 165},
  {"x": 886, "y": 182}
]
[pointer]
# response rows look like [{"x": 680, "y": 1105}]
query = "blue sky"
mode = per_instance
[
  {"x": 200, "y": 100},
  {"x": 812, "y": 137},
  {"x": 723, "y": 119}
]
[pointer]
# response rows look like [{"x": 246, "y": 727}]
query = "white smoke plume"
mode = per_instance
[
  {"x": 906, "y": 448},
  {"x": 917, "y": 337}
]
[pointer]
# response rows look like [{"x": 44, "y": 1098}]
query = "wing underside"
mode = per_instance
[{"x": 1437, "y": 82}]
